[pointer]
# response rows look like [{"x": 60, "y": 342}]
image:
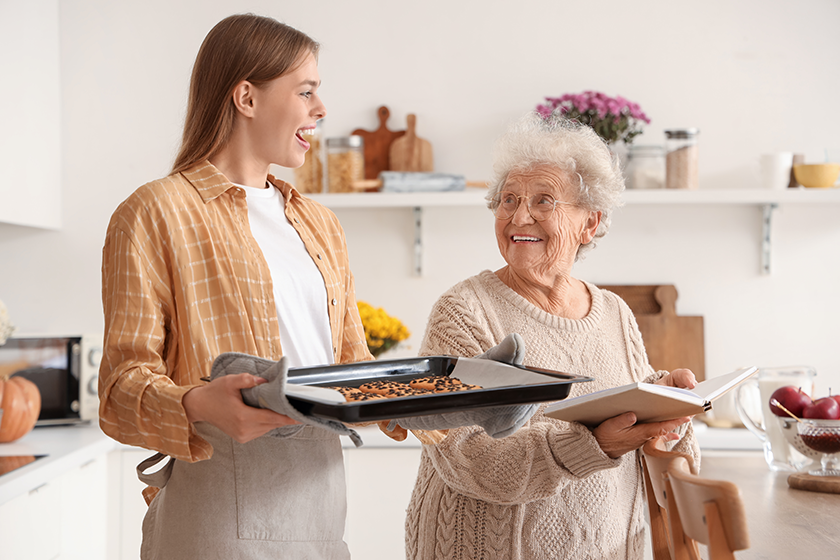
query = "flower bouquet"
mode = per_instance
[
  {"x": 382, "y": 332},
  {"x": 613, "y": 118}
]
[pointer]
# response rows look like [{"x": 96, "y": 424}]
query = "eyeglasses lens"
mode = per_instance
[{"x": 540, "y": 205}]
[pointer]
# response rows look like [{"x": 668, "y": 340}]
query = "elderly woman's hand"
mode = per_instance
[
  {"x": 621, "y": 434},
  {"x": 682, "y": 377}
]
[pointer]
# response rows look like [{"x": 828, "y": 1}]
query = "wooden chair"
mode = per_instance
[
  {"x": 711, "y": 511},
  {"x": 668, "y": 542}
]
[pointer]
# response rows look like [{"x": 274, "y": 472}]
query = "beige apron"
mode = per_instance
[{"x": 269, "y": 498}]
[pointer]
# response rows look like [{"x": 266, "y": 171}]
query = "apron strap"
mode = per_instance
[{"x": 158, "y": 478}]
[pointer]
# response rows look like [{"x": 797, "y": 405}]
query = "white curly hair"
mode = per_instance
[{"x": 574, "y": 149}]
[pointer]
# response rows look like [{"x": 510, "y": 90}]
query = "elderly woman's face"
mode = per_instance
[{"x": 541, "y": 249}]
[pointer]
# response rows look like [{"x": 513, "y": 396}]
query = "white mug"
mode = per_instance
[
  {"x": 775, "y": 170},
  {"x": 753, "y": 404}
]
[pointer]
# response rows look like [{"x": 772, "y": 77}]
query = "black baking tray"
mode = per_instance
[{"x": 556, "y": 387}]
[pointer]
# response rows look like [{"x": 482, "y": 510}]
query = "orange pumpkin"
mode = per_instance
[{"x": 20, "y": 404}]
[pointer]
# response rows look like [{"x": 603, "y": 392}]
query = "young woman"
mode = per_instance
[{"x": 222, "y": 257}]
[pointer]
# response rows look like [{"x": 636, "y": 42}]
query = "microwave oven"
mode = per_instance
[{"x": 64, "y": 368}]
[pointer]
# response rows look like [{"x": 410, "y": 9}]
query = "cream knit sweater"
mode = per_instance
[{"x": 547, "y": 491}]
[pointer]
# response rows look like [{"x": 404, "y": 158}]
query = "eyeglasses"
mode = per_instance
[{"x": 540, "y": 205}]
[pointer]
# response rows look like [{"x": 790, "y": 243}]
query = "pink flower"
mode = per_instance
[{"x": 613, "y": 118}]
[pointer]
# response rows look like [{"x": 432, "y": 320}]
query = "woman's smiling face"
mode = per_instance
[{"x": 541, "y": 250}]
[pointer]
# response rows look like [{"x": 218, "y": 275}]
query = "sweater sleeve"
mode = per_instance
[{"x": 529, "y": 465}]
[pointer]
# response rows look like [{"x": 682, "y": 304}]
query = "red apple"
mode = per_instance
[
  {"x": 792, "y": 398},
  {"x": 825, "y": 408}
]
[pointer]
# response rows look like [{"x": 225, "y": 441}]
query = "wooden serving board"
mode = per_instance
[
  {"x": 410, "y": 152},
  {"x": 805, "y": 481},
  {"x": 378, "y": 144},
  {"x": 671, "y": 341}
]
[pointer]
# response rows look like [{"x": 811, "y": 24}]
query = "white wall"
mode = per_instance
[{"x": 754, "y": 76}]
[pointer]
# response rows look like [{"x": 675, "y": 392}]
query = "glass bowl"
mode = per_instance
[{"x": 822, "y": 436}]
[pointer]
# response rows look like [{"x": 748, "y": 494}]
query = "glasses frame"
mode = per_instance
[{"x": 496, "y": 204}]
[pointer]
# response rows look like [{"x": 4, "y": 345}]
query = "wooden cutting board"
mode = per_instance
[
  {"x": 410, "y": 152},
  {"x": 805, "y": 481},
  {"x": 378, "y": 144},
  {"x": 671, "y": 341}
]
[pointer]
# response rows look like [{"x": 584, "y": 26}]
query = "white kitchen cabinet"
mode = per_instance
[
  {"x": 379, "y": 485},
  {"x": 83, "y": 511},
  {"x": 30, "y": 145},
  {"x": 63, "y": 519},
  {"x": 126, "y": 503},
  {"x": 30, "y": 525}
]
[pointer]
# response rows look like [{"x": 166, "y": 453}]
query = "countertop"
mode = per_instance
[{"x": 67, "y": 447}]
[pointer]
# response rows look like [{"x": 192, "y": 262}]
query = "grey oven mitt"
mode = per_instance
[
  {"x": 272, "y": 395},
  {"x": 497, "y": 421}
]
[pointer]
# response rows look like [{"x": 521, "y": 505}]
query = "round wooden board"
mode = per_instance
[{"x": 805, "y": 481}]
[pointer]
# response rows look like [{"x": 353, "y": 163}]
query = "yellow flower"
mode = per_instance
[{"x": 382, "y": 331}]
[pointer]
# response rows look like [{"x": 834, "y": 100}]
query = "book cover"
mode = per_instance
[{"x": 650, "y": 402}]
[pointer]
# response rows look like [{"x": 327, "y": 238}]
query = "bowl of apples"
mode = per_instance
[{"x": 811, "y": 426}]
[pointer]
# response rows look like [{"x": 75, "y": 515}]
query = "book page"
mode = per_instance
[{"x": 717, "y": 386}]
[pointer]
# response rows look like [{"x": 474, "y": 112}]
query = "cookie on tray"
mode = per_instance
[
  {"x": 391, "y": 389},
  {"x": 442, "y": 384},
  {"x": 352, "y": 394},
  {"x": 433, "y": 382},
  {"x": 455, "y": 388}
]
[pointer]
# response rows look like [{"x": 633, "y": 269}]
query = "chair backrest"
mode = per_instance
[
  {"x": 711, "y": 511},
  {"x": 668, "y": 541}
]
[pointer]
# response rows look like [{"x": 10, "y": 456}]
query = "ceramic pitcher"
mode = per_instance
[{"x": 752, "y": 401}]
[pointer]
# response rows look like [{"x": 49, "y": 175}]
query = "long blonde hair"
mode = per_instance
[{"x": 240, "y": 47}]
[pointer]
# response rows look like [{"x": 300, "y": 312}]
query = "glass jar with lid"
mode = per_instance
[
  {"x": 681, "y": 158},
  {"x": 309, "y": 177},
  {"x": 345, "y": 163},
  {"x": 645, "y": 167}
]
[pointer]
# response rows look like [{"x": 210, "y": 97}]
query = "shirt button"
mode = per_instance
[
  {"x": 296, "y": 221},
  {"x": 319, "y": 257},
  {"x": 334, "y": 301}
]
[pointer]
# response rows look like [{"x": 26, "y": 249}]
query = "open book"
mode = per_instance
[{"x": 650, "y": 403}]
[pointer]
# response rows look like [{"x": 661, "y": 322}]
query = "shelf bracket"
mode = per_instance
[
  {"x": 418, "y": 240},
  {"x": 766, "y": 236}
]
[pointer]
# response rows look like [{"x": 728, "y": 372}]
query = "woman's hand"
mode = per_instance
[
  {"x": 682, "y": 377},
  {"x": 220, "y": 403},
  {"x": 621, "y": 434}
]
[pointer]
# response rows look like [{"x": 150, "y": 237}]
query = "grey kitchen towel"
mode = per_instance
[
  {"x": 272, "y": 395},
  {"x": 497, "y": 421}
]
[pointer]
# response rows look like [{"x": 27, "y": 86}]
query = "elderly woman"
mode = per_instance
[{"x": 553, "y": 489}]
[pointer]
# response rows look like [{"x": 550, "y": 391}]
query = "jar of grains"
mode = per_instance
[
  {"x": 309, "y": 177},
  {"x": 645, "y": 167},
  {"x": 345, "y": 163},
  {"x": 681, "y": 158}
]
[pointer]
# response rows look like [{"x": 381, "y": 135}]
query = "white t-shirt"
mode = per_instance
[{"x": 299, "y": 290}]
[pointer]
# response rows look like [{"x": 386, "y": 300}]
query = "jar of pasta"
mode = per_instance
[
  {"x": 681, "y": 158},
  {"x": 309, "y": 177},
  {"x": 345, "y": 163}
]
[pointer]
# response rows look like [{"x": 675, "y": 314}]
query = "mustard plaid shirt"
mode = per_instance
[{"x": 183, "y": 280}]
